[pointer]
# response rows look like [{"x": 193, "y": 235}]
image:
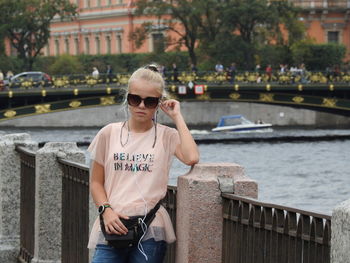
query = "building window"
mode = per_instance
[
  {"x": 119, "y": 44},
  {"x": 333, "y": 36},
  {"x": 98, "y": 45},
  {"x": 76, "y": 45},
  {"x": 109, "y": 2},
  {"x": 87, "y": 3},
  {"x": 66, "y": 45},
  {"x": 108, "y": 44},
  {"x": 57, "y": 47},
  {"x": 98, "y": 2},
  {"x": 48, "y": 49},
  {"x": 87, "y": 45},
  {"x": 158, "y": 42}
]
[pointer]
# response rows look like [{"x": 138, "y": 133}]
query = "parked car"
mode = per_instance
[{"x": 34, "y": 79}]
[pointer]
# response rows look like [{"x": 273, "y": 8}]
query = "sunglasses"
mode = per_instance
[{"x": 149, "y": 102}]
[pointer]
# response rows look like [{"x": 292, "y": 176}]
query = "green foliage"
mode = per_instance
[
  {"x": 273, "y": 55},
  {"x": 26, "y": 23},
  {"x": 65, "y": 65},
  {"x": 318, "y": 56}
]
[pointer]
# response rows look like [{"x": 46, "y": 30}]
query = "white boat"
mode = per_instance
[{"x": 239, "y": 123}]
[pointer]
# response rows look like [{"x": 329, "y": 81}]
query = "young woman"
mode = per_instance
[{"x": 130, "y": 168}]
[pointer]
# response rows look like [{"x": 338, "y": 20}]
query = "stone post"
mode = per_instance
[
  {"x": 199, "y": 218},
  {"x": 340, "y": 239},
  {"x": 10, "y": 178},
  {"x": 48, "y": 198}
]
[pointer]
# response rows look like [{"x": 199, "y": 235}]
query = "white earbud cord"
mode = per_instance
[{"x": 143, "y": 224}]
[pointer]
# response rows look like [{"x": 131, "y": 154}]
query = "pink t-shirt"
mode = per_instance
[{"x": 135, "y": 174}]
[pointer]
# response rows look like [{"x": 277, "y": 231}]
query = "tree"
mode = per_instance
[
  {"x": 26, "y": 23},
  {"x": 189, "y": 20}
]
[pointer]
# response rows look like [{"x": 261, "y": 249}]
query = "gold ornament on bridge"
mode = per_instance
[
  {"x": 329, "y": 102},
  {"x": 10, "y": 113},
  {"x": 76, "y": 92},
  {"x": 91, "y": 81},
  {"x": 203, "y": 97},
  {"x": 298, "y": 99},
  {"x": 236, "y": 87},
  {"x": 268, "y": 87},
  {"x": 42, "y": 108},
  {"x": 43, "y": 93},
  {"x": 107, "y": 100},
  {"x": 266, "y": 97},
  {"x": 108, "y": 90},
  {"x": 124, "y": 79},
  {"x": 10, "y": 94},
  {"x": 75, "y": 104},
  {"x": 173, "y": 88},
  {"x": 300, "y": 87},
  {"x": 235, "y": 96},
  {"x": 58, "y": 82},
  {"x": 331, "y": 87},
  {"x": 26, "y": 84}
]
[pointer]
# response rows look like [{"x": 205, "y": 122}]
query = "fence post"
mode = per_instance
[
  {"x": 199, "y": 219},
  {"x": 340, "y": 234},
  {"x": 48, "y": 199},
  {"x": 10, "y": 178}
]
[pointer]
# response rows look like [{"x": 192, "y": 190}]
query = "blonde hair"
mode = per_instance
[{"x": 149, "y": 73}]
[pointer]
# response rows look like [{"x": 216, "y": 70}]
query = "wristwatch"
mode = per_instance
[{"x": 102, "y": 208}]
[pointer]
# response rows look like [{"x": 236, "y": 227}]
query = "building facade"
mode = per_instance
[
  {"x": 326, "y": 21},
  {"x": 101, "y": 27},
  {"x": 104, "y": 26}
]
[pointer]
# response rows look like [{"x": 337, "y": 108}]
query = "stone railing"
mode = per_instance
[{"x": 199, "y": 208}]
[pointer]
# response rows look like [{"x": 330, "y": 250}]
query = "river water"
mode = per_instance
[{"x": 310, "y": 174}]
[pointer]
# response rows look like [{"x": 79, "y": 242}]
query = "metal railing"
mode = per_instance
[
  {"x": 169, "y": 202},
  {"x": 257, "y": 232},
  {"x": 75, "y": 211},
  {"x": 201, "y": 77},
  {"x": 27, "y": 204}
]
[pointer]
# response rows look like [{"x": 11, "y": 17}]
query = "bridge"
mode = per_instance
[{"x": 315, "y": 92}]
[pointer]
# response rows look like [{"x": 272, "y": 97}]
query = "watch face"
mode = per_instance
[{"x": 101, "y": 208}]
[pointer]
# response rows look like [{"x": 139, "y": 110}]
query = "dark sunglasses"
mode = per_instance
[{"x": 135, "y": 100}]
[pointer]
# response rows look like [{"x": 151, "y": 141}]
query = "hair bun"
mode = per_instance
[{"x": 152, "y": 67}]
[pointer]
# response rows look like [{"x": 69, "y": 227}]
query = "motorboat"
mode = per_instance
[{"x": 239, "y": 123}]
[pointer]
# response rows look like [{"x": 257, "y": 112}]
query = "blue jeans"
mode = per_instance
[{"x": 155, "y": 251}]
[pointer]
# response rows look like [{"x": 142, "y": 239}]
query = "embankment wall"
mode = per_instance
[{"x": 199, "y": 113}]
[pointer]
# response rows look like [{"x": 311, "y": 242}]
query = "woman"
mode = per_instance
[{"x": 130, "y": 167}]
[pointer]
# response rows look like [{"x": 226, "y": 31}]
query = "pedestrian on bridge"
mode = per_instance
[{"x": 129, "y": 174}]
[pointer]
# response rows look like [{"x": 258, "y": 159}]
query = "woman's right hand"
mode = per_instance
[{"x": 112, "y": 222}]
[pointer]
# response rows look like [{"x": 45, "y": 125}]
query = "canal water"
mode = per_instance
[{"x": 307, "y": 169}]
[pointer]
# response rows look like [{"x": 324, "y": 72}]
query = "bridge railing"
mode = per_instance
[
  {"x": 203, "y": 77},
  {"x": 27, "y": 204},
  {"x": 260, "y": 232}
]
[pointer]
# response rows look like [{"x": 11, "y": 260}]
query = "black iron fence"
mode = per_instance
[
  {"x": 27, "y": 204},
  {"x": 169, "y": 202},
  {"x": 75, "y": 211},
  {"x": 257, "y": 232}
]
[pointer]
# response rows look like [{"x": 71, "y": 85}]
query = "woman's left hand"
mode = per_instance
[{"x": 171, "y": 108}]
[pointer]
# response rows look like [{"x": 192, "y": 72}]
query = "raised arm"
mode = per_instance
[{"x": 187, "y": 150}]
